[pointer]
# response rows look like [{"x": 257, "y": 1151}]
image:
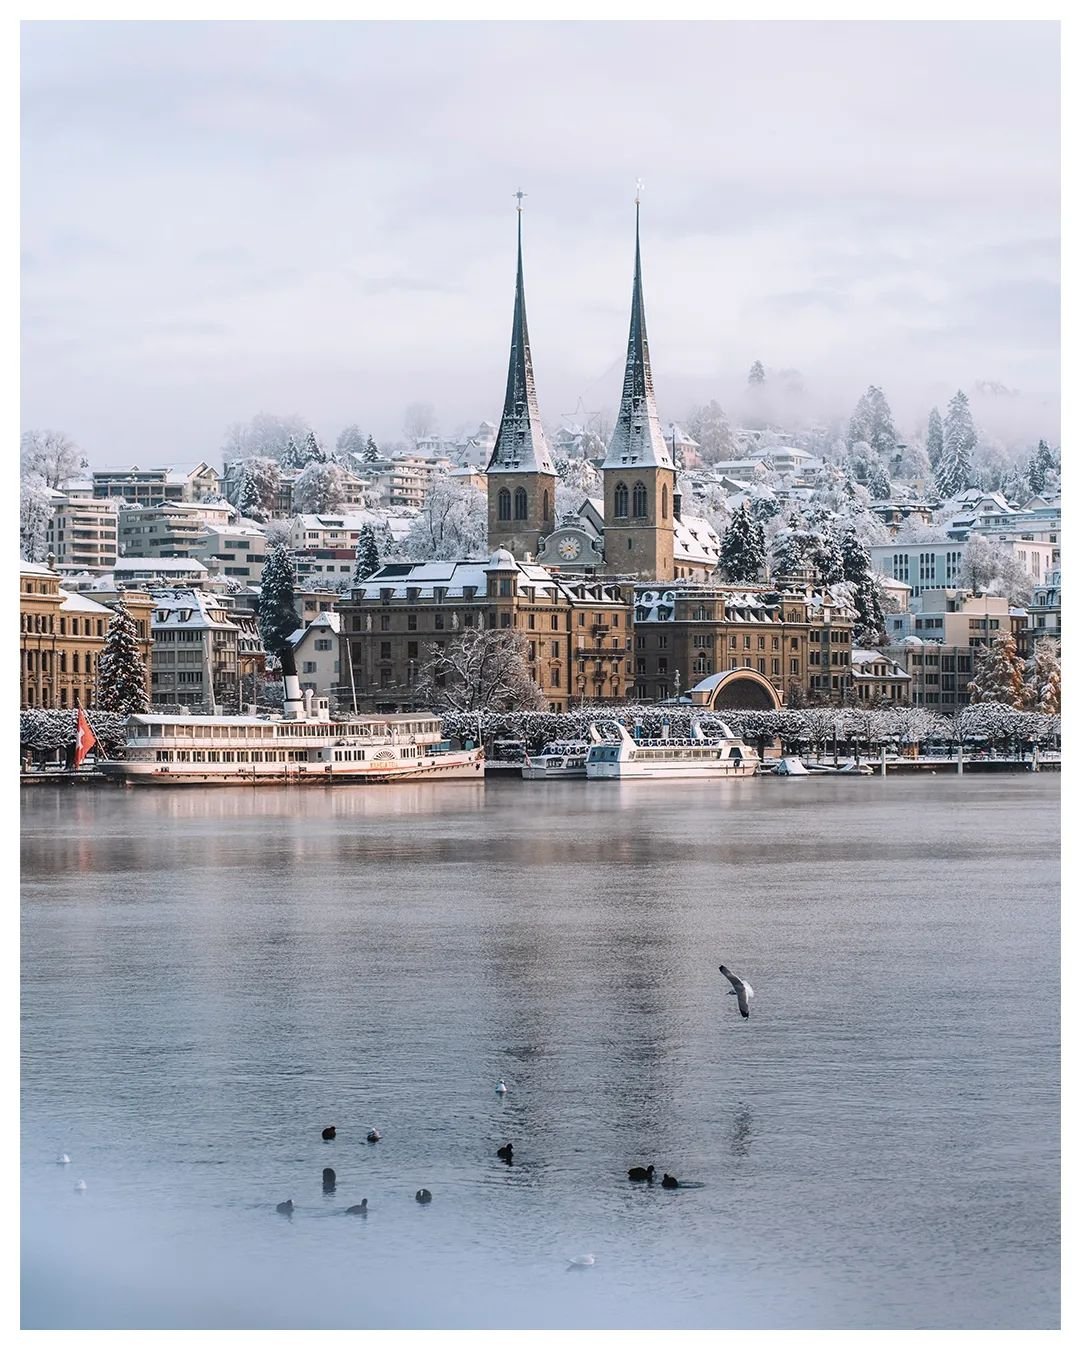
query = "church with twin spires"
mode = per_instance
[{"x": 637, "y": 531}]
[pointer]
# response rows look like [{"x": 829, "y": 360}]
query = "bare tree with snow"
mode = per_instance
[{"x": 481, "y": 669}]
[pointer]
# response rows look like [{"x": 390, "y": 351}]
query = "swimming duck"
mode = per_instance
[
  {"x": 63, "y": 1159},
  {"x": 500, "y": 1086},
  {"x": 80, "y": 1185},
  {"x": 506, "y": 1153},
  {"x": 330, "y": 1132},
  {"x": 373, "y": 1136},
  {"x": 286, "y": 1207},
  {"x": 669, "y": 1183},
  {"x": 580, "y": 1262},
  {"x": 423, "y": 1197},
  {"x": 329, "y": 1180},
  {"x": 641, "y": 1173},
  {"x": 361, "y": 1208}
]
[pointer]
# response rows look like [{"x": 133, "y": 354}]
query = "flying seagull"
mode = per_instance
[{"x": 742, "y": 991}]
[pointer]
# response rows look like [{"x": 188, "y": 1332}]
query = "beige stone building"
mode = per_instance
[
  {"x": 578, "y": 632},
  {"x": 61, "y": 637},
  {"x": 798, "y": 640}
]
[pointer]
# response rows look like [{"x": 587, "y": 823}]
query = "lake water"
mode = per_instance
[{"x": 210, "y": 977}]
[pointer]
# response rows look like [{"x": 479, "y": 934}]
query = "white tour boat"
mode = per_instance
[
  {"x": 302, "y": 746},
  {"x": 693, "y": 756},
  {"x": 558, "y": 759}
]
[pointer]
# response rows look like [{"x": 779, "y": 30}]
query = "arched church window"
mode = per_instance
[
  {"x": 504, "y": 503},
  {"x": 664, "y": 501},
  {"x": 641, "y": 500},
  {"x": 521, "y": 505},
  {"x": 622, "y": 501}
]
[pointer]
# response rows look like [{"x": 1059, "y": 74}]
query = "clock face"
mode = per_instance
[{"x": 569, "y": 548}]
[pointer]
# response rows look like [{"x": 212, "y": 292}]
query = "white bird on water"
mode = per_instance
[
  {"x": 742, "y": 991},
  {"x": 80, "y": 1185},
  {"x": 500, "y": 1086},
  {"x": 63, "y": 1159},
  {"x": 580, "y": 1262}
]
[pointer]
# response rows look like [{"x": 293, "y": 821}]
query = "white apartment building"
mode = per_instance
[
  {"x": 240, "y": 549},
  {"x": 955, "y": 618},
  {"x": 316, "y": 650},
  {"x": 170, "y": 529},
  {"x": 931, "y": 565},
  {"x": 82, "y": 533}
]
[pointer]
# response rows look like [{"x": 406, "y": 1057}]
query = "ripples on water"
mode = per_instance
[{"x": 210, "y": 977}]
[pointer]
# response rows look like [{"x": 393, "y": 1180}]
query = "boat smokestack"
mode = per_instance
[{"x": 294, "y": 699}]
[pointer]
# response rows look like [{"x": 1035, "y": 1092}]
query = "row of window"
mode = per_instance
[
  {"x": 517, "y": 506},
  {"x": 33, "y": 660}
]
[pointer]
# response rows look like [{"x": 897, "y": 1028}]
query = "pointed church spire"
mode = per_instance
[
  {"x": 637, "y": 438},
  {"x": 521, "y": 446}
]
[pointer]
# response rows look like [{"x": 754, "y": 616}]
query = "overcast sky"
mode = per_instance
[{"x": 317, "y": 218}]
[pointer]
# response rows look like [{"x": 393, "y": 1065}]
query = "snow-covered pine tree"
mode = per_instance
[
  {"x": 866, "y": 590},
  {"x": 371, "y": 451},
  {"x": 351, "y": 441},
  {"x": 1044, "y": 677},
  {"x": 292, "y": 458},
  {"x": 790, "y": 550},
  {"x": 825, "y": 556},
  {"x": 367, "y": 556},
  {"x": 935, "y": 438},
  {"x": 247, "y": 500},
  {"x": 882, "y": 432},
  {"x": 121, "y": 668},
  {"x": 312, "y": 452},
  {"x": 954, "y": 466},
  {"x": 757, "y": 374},
  {"x": 999, "y": 674},
  {"x": 278, "y": 618},
  {"x": 742, "y": 549},
  {"x": 861, "y": 424},
  {"x": 877, "y": 481}
]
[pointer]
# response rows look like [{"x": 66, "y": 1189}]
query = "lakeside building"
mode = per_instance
[
  {"x": 939, "y": 672},
  {"x": 61, "y": 637},
  {"x": 577, "y": 631},
  {"x": 1045, "y": 608},
  {"x": 82, "y": 533},
  {"x": 878, "y": 679},
  {"x": 955, "y": 617},
  {"x": 796, "y": 639},
  {"x": 203, "y": 646},
  {"x": 317, "y": 650}
]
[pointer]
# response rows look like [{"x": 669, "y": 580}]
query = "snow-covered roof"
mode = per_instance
[
  {"x": 35, "y": 570},
  {"x": 327, "y": 618},
  {"x": 73, "y": 600},
  {"x": 864, "y": 656},
  {"x": 186, "y": 608},
  {"x": 159, "y": 565},
  {"x": 696, "y": 541}
]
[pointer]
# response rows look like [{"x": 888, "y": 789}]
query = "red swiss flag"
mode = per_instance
[{"x": 84, "y": 738}]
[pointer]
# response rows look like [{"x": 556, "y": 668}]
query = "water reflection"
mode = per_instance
[
  {"x": 740, "y": 1131},
  {"x": 211, "y": 977}
]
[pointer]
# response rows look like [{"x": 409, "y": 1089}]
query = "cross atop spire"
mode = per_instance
[
  {"x": 637, "y": 438},
  {"x": 521, "y": 446}
]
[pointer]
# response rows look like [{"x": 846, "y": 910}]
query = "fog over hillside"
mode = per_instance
[{"x": 318, "y": 218}]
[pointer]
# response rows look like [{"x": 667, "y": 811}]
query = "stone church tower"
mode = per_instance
[
  {"x": 521, "y": 473},
  {"x": 639, "y": 473}
]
